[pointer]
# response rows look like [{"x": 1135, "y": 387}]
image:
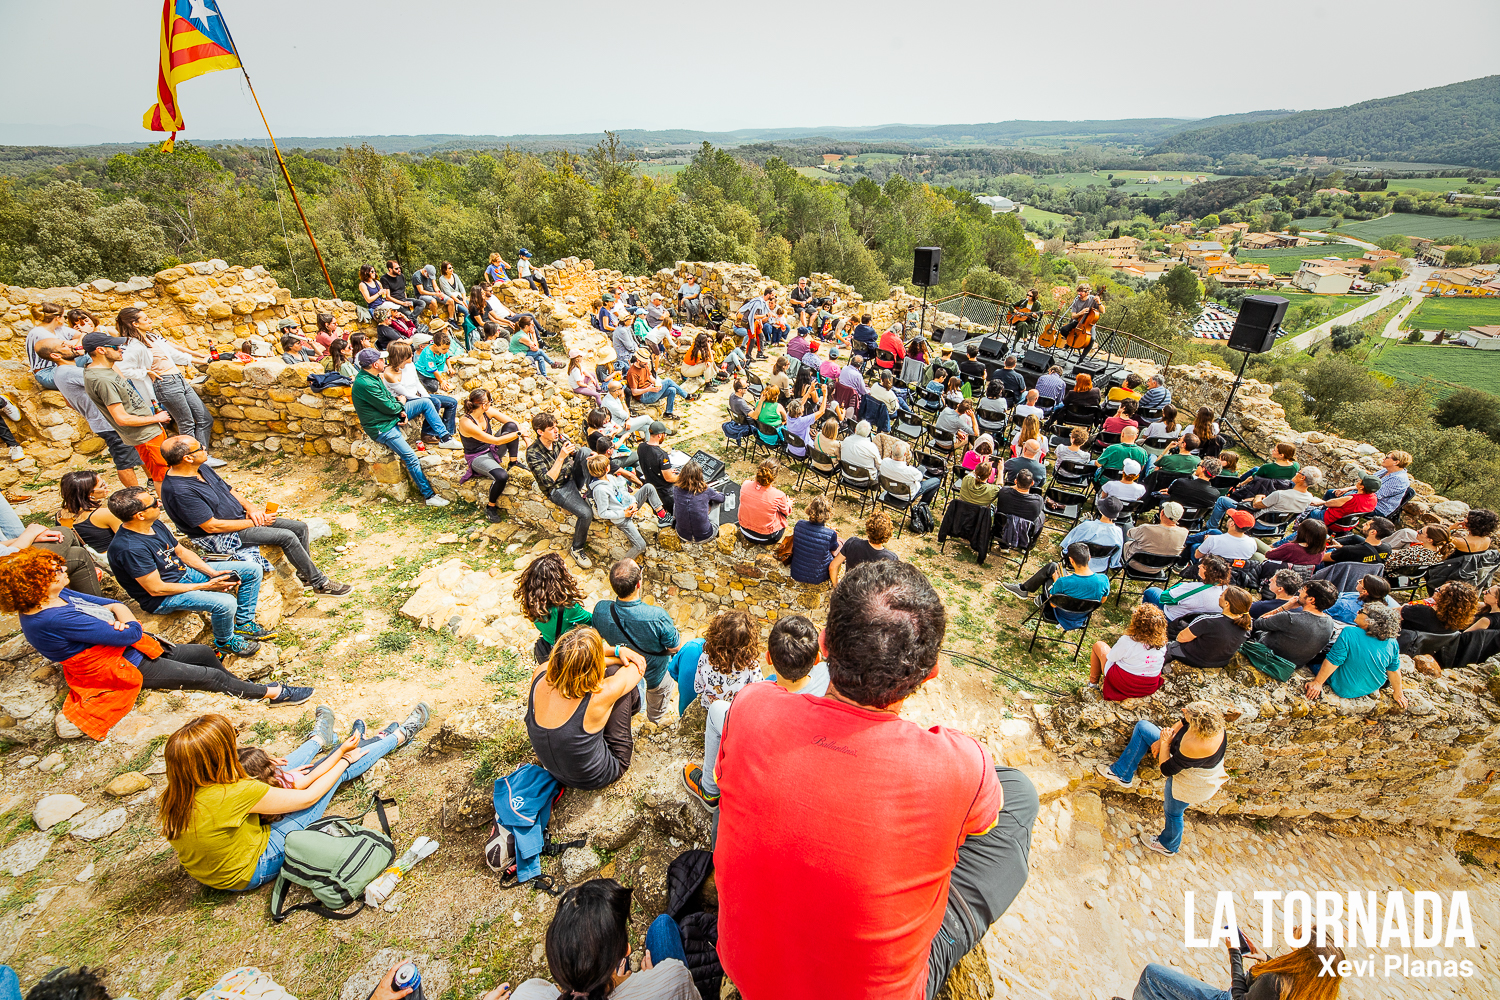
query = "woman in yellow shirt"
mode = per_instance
[{"x": 228, "y": 829}]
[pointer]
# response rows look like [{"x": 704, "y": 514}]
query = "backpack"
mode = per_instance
[
  {"x": 920, "y": 518},
  {"x": 334, "y": 858}
]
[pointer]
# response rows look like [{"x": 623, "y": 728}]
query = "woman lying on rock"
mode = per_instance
[
  {"x": 579, "y": 713},
  {"x": 211, "y": 810},
  {"x": 105, "y": 655}
]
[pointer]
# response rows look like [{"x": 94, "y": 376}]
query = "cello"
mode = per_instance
[{"x": 1077, "y": 333}]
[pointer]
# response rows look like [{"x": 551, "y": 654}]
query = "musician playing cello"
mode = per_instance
[{"x": 1084, "y": 312}]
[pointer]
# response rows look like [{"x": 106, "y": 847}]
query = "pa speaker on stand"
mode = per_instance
[
  {"x": 1255, "y": 331},
  {"x": 924, "y": 272}
]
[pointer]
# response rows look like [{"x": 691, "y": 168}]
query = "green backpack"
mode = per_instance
[{"x": 334, "y": 858}]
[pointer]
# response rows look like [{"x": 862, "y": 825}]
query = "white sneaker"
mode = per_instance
[
  {"x": 582, "y": 560},
  {"x": 1107, "y": 773},
  {"x": 435, "y": 501},
  {"x": 452, "y": 444},
  {"x": 11, "y": 410},
  {"x": 16, "y": 453}
]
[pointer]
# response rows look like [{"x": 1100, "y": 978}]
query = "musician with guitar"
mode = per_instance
[
  {"x": 1024, "y": 316},
  {"x": 1077, "y": 332}
]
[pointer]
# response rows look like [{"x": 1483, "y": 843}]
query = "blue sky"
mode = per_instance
[{"x": 87, "y": 68}]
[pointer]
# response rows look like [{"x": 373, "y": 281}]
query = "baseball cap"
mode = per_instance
[
  {"x": 367, "y": 357},
  {"x": 1369, "y": 483},
  {"x": 607, "y": 297},
  {"x": 657, "y": 427},
  {"x": 1131, "y": 467},
  {"x": 575, "y": 353},
  {"x": 98, "y": 338},
  {"x": 1172, "y": 509},
  {"x": 288, "y": 324},
  {"x": 1109, "y": 507},
  {"x": 1243, "y": 518}
]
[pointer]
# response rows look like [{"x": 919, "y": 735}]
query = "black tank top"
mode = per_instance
[
  {"x": 575, "y": 757},
  {"x": 93, "y": 536},
  {"x": 473, "y": 446}
]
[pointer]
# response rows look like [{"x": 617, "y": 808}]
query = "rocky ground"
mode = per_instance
[{"x": 100, "y": 886}]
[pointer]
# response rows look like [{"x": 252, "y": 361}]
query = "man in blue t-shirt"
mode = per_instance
[
  {"x": 164, "y": 576},
  {"x": 204, "y": 506},
  {"x": 1077, "y": 580},
  {"x": 628, "y": 621}
]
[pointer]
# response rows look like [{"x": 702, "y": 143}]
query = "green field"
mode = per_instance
[
  {"x": 817, "y": 173},
  {"x": 1454, "y": 314},
  {"x": 1288, "y": 260},
  {"x": 1319, "y": 223},
  {"x": 1329, "y": 306},
  {"x": 660, "y": 169},
  {"x": 1459, "y": 365},
  {"x": 1428, "y": 226},
  {"x": 1043, "y": 219},
  {"x": 1082, "y": 180},
  {"x": 1433, "y": 184}
]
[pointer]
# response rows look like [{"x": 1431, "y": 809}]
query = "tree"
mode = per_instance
[
  {"x": 1344, "y": 338},
  {"x": 1334, "y": 381},
  {"x": 1471, "y": 408},
  {"x": 1209, "y": 221},
  {"x": 1461, "y": 256},
  {"x": 1400, "y": 244},
  {"x": 1180, "y": 286},
  {"x": 776, "y": 258},
  {"x": 1415, "y": 337}
]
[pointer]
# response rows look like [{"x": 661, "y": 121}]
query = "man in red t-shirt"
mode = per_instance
[
  {"x": 1340, "y": 504},
  {"x": 858, "y": 854}
]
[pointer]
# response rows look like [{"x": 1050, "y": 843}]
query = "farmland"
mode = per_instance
[
  {"x": 1307, "y": 310},
  {"x": 1043, "y": 219},
  {"x": 1171, "y": 181},
  {"x": 1434, "y": 183},
  {"x": 1429, "y": 226},
  {"x": 1287, "y": 260},
  {"x": 1454, "y": 314},
  {"x": 817, "y": 173},
  {"x": 1314, "y": 223},
  {"x": 1459, "y": 366}
]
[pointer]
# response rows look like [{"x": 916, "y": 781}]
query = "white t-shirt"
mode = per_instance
[
  {"x": 1125, "y": 491},
  {"x": 1227, "y": 546},
  {"x": 861, "y": 451},
  {"x": 1289, "y": 501},
  {"x": 1023, "y": 411},
  {"x": 1135, "y": 658},
  {"x": 1159, "y": 430},
  {"x": 1205, "y": 601},
  {"x": 408, "y": 386}
]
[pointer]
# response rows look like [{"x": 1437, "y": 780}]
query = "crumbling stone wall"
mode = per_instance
[{"x": 1433, "y": 764}]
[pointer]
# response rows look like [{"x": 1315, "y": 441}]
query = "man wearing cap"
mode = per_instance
[
  {"x": 531, "y": 275},
  {"x": 1338, "y": 507},
  {"x": 382, "y": 415},
  {"x": 943, "y": 367},
  {"x": 206, "y": 508},
  {"x": 69, "y": 380},
  {"x": 1288, "y": 501},
  {"x": 647, "y": 388},
  {"x": 623, "y": 339},
  {"x": 1165, "y": 538},
  {"x": 132, "y": 417},
  {"x": 655, "y": 311},
  {"x": 690, "y": 297},
  {"x": 425, "y": 283},
  {"x": 1027, "y": 460},
  {"x": 1100, "y": 530},
  {"x": 656, "y": 463},
  {"x": 1230, "y": 544}
]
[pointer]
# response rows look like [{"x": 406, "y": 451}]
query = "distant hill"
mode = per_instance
[{"x": 1458, "y": 124}]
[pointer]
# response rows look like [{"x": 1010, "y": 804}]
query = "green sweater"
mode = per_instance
[{"x": 378, "y": 408}]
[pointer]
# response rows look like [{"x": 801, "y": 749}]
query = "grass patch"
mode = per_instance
[
  {"x": 1307, "y": 310},
  {"x": 144, "y": 756},
  {"x": 394, "y": 641},
  {"x": 1457, "y": 366},
  {"x": 1454, "y": 314},
  {"x": 503, "y": 754},
  {"x": 1427, "y": 226},
  {"x": 1288, "y": 260},
  {"x": 508, "y": 669}
]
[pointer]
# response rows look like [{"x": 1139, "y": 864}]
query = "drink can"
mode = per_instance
[{"x": 407, "y": 977}]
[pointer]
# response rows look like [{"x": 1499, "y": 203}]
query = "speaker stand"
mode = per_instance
[
  {"x": 1239, "y": 377},
  {"x": 922, "y": 320}
]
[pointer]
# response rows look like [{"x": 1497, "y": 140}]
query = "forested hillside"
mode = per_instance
[{"x": 1458, "y": 124}]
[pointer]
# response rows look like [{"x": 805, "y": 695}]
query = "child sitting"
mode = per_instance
[
  {"x": 613, "y": 502},
  {"x": 730, "y": 649},
  {"x": 261, "y": 766},
  {"x": 793, "y": 655}
]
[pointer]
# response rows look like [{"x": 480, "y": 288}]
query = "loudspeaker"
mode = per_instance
[
  {"x": 924, "y": 271},
  {"x": 1258, "y": 324}
]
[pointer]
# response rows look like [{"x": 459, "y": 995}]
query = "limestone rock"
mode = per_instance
[
  {"x": 468, "y": 805},
  {"x": 65, "y": 729},
  {"x": 53, "y": 809},
  {"x": 51, "y": 762},
  {"x": 24, "y": 855},
  {"x": 436, "y": 976},
  {"x": 100, "y": 826},
  {"x": 578, "y": 862},
  {"x": 127, "y": 784},
  {"x": 971, "y": 978}
]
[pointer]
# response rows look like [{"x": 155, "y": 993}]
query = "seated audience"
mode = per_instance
[
  {"x": 1471, "y": 533},
  {"x": 1078, "y": 579},
  {"x": 1288, "y": 500},
  {"x": 1488, "y": 616},
  {"x": 1028, "y": 408},
  {"x": 1346, "y": 506},
  {"x": 207, "y": 509},
  {"x": 485, "y": 452},
  {"x": 1122, "y": 418},
  {"x": 1128, "y": 487},
  {"x": 895, "y": 463},
  {"x": 1130, "y": 392},
  {"x": 1302, "y": 632},
  {"x": 558, "y": 468},
  {"x": 616, "y": 503},
  {"x": 730, "y": 657},
  {"x": 1209, "y": 641},
  {"x": 815, "y": 546},
  {"x": 381, "y": 415},
  {"x": 1206, "y": 430},
  {"x": 1186, "y": 597},
  {"x": 1451, "y": 608},
  {"x": 1100, "y": 529},
  {"x": 771, "y": 412},
  {"x": 871, "y": 548},
  {"x": 646, "y": 387},
  {"x": 858, "y": 450},
  {"x": 979, "y": 488},
  {"x": 1196, "y": 490},
  {"x": 551, "y": 599},
  {"x": 83, "y": 509},
  {"x": 959, "y": 420},
  {"x": 629, "y": 621},
  {"x": 1166, "y": 428},
  {"x": 861, "y": 929},
  {"x": 1165, "y": 538},
  {"x": 214, "y": 815},
  {"x": 694, "y": 504},
  {"x": 1432, "y": 545},
  {"x": 1312, "y": 970},
  {"x": 1157, "y": 395},
  {"x": 1116, "y": 455},
  {"x": 1364, "y": 657},
  {"x": 1027, "y": 461},
  {"x": 1196, "y": 742},
  {"x": 439, "y": 412},
  {"x": 163, "y": 575},
  {"x": 1305, "y": 549},
  {"x": 827, "y": 443},
  {"x": 763, "y": 509},
  {"x": 68, "y": 379},
  {"x": 983, "y": 450},
  {"x": 1285, "y": 588},
  {"x": 1131, "y": 668},
  {"x": 1368, "y": 589},
  {"x": 1076, "y": 450},
  {"x": 1030, "y": 430},
  {"x": 1083, "y": 395},
  {"x": 1020, "y": 500},
  {"x": 795, "y": 660},
  {"x": 1282, "y": 465},
  {"x": 578, "y": 713},
  {"x": 1369, "y": 547},
  {"x": 1231, "y": 544},
  {"x": 588, "y": 951}
]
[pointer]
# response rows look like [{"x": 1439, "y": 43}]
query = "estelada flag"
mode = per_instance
[{"x": 194, "y": 41}]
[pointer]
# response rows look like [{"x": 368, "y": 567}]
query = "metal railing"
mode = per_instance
[
  {"x": 1119, "y": 345},
  {"x": 953, "y": 310}
]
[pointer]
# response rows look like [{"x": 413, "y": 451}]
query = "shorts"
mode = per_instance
[
  {"x": 150, "y": 452},
  {"x": 124, "y": 456}
]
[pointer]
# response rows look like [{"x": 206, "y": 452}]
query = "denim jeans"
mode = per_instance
[
  {"x": 684, "y": 669},
  {"x": 664, "y": 941},
  {"x": 1152, "y": 596},
  {"x": 1221, "y": 507},
  {"x": 10, "y": 524},
  {"x": 393, "y": 439},
  {"x": 181, "y": 400},
  {"x": 1160, "y": 982},
  {"x": 46, "y": 377},
  {"x": 439, "y": 414},
  {"x": 1141, "y": 739},
  {"x": 569, "y": 499},
  {"x": 275, "y": 853},
  {"x": 294, "y": 541},
  {"x": 542, "y": 361},
  {"x": 671, "y": 390},
  {"x": 225, "y": 611}
]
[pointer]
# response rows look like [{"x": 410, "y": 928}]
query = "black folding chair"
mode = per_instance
[
  {"x": 940, "y": 439},
  {"x": 1070, "y": 605},
  {"x": 898, "y": 498},
  {"x": 1098, "y": 550},
  {"x": 992, "y": 417},
  {"x": 930, "y": 401},
  {"x": 857, "y": 481},
  {"x": 907, "y": 427},
  {"x": 768, "y": 439},
  {"x": 1225, "y": 481},
  {"x": 1270, "y": 523},
  {"x": 1406, "y": 580},
  {"x": 1073, "y": 501},
  {"x": 1071, "y": 472},
  {"x": 1414, "y": 643},
  {"x": 1159, "y": 575},
  {"x": 1192, "y": 518},
  {"x": 820, "y": 466},
  {"x": 1008, "y": 554}
]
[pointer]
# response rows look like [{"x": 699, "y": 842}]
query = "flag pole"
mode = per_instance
[{"x": 284, "y": 172}]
